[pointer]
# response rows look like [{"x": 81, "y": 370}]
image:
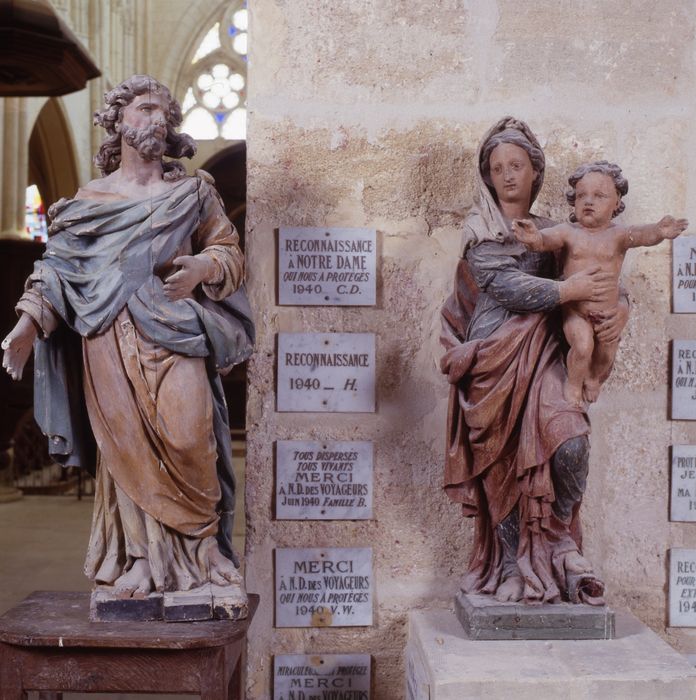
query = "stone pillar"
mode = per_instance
[{"x": 14, "y": 158}]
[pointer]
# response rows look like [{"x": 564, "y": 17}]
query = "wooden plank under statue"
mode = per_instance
[
  {"x": 141, "y": 292},
  {"x": 518, "y": 424}
]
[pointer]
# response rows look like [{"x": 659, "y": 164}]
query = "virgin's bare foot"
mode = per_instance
[
  {"x": 136, "y": 581},
  {"x": 573, "y": 394},
  {"x": 223, "y": 572},
  {"x": 590, "y": 390},
  {"x": 575, "y": 563},
  {"x": 510, "y": 590}
]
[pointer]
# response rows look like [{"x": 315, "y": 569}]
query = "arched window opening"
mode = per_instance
[
  {"x": 214, "y": 106},
  {"x": 35, "y": 215}
]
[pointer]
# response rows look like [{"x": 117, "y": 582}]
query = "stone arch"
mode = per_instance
[
  {"x": 52, "y": 165},
  {"x": 228, "y": 167}
]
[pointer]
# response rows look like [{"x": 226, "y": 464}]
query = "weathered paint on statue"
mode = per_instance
[
  {"x": 518, "y": 450},
  {"x": 592, "y": 240},
  {"x": 144, "y": 271}
]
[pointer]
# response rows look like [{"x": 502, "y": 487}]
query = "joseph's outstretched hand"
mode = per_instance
[
  {"x": 670, "y": 227},
  {"x": 18, "y": 346}
]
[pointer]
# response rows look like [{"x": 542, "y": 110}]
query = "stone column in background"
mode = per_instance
[{"x": 14, "y": 156}]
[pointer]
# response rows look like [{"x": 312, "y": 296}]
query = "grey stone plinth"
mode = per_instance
[
  {"x": 442, "y": 663},
  {"x": 483, "y": 617}
]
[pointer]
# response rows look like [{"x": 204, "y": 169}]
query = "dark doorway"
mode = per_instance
[{"x": 228, "y": 167}]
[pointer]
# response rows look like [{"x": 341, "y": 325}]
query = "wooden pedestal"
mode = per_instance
[{"x": 47, "y": 643}]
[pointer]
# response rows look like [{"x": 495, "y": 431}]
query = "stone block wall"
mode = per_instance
[{"x": 368, "y": 113}]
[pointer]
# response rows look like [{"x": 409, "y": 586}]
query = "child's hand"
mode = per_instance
[
  {"x": 525, "y": 231},
  {"x": 669, "y": 227}
]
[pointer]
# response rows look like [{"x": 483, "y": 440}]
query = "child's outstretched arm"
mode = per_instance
[
  {"x": 652, "y": 234},
  {"x": 547, "y": 240}
]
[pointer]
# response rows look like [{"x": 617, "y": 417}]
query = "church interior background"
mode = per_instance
[
  {"x": 199, "y": 49},
  {"x": 367, "y": 113}
]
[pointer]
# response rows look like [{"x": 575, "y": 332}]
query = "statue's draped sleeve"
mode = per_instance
[
  {"x": 218, "y": 239},
  {"x": 38, "y": 308},
  {"x": 497, "y": 273}
]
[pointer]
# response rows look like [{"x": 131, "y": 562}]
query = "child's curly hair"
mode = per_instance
[{"x": 606, "y": 168}]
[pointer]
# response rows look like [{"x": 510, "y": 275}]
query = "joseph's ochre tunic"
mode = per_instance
[{"x": 151, "y": 411}]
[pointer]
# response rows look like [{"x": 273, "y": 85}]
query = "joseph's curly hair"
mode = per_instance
[
  {"x": 108, "y": 158},
  {"x": 606, "y": 168}
]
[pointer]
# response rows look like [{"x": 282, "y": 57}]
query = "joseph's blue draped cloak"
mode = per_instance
[{"x": 107, "y": 256}]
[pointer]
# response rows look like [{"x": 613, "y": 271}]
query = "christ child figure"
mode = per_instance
[{"x": 591, "y": 241}]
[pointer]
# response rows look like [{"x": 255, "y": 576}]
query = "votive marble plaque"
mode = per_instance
[
  {"x": 684, "y": 275},
  {"x": 326, "y": 372},
  {"x": 684, "y": 380},
  {"x": 682, "y": 505},
  {"x": 323, "y": 480},
  {"x": 321, "y": 677},
  {"x": 328, "y": 587},
  {"x": 327, "y": 266},
  {"x": 682, "y": 587}
]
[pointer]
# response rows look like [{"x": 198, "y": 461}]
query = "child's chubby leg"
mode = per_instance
[
  {"x": 580, "y": 336},
  {"x": 600, "y": 368}
]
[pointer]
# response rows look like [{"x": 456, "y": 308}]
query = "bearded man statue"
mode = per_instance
[{"x": 135, "y": 310}]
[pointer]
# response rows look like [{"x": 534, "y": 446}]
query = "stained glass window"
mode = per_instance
[
  {"x": 35, "y": 214},
  {"x": 214, "y": 105}
]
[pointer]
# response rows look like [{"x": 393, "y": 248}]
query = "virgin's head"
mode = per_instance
[{"x": 512, "y": 165}]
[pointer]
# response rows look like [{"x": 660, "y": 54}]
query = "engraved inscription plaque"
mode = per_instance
[
  {"x": 682, "y": 587},
  {"x": 682, "y": 506},
  {"x": 323, "y": 480},
  {"x": 684, "y": 379},
  {"x": 684, "y": 275},
  {"x": 326, "y": 372},
  {"x": 329, "y": 587},
  {"x": 327, "y": 266},
  {"x": 321, "y": 677}
]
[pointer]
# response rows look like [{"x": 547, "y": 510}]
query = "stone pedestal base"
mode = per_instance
[
  {"x": 442, "y": 663},
  {"x": 483, "y": 617}
]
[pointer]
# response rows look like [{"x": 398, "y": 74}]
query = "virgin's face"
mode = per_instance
[{"x": 512, "y": 174}]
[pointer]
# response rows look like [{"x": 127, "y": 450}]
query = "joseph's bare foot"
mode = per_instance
[
  {"x": 136, "y": 581},
  {"x": 573, "y": 394},
  {"x": 223, "y": 572},
  {"x": 590, "y": 390},
  {"x": 510, "y": 590},
  {"x": 575, "y": 563}
]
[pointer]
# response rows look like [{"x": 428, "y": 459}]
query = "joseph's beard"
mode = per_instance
[{"x": 149, "y": 144}]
